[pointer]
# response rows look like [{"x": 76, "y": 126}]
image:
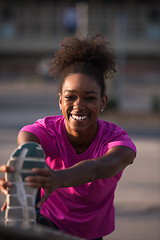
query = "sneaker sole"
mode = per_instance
[{"x": 21, "y": 198}]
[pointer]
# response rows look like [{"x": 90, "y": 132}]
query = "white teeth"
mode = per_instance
[{"x": 79, "y": 117}]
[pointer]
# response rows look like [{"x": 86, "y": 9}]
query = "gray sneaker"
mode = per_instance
[{"x": 21, "y": 198}]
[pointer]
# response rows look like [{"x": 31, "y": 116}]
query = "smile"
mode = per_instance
[{"x": 79, "y": 118}]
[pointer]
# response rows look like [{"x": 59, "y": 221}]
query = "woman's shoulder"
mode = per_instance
[
  {"x": 114, "y": 135},
  {"x": 109, "y": 127},
  {"x": 49, "y": 124},
  {"x": 51, "y": 121}
]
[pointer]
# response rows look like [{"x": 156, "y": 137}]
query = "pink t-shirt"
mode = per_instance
[{"x": 86, "y": 211}]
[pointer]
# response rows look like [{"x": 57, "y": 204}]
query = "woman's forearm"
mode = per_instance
[
  {"x": 76, "y": 175},
  {"x": 86, "y": 171}
]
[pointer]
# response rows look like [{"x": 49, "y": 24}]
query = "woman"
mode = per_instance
[{"x": 88, "y": 155}]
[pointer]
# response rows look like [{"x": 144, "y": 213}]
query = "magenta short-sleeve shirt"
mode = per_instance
[{"x": 86, "y": 211}]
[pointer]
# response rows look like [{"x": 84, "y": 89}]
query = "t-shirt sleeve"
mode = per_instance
[
  {"x": 122, "y": 139},
  {"x": 40, "y": 132}
]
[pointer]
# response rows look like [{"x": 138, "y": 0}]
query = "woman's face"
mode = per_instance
[{"x": 81, "y": 102}]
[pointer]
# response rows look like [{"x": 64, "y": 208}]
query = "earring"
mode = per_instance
[
  {"x": 101, "y": 110},
  {"x": 60, "y": 108}
]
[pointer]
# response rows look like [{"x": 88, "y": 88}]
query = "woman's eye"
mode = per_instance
[
  {"x": 91, "y": 98},
  {"x": 70, "y": 98}
]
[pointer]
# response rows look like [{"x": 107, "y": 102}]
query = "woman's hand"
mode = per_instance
[
  {"x": 46, "y": 178},
  {"x": 4, "y": 185}
]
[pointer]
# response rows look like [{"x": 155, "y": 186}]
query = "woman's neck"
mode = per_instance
[{"x": 81, "y": 142}]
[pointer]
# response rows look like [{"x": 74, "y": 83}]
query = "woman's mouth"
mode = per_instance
[{"x": 78, "y": 118}]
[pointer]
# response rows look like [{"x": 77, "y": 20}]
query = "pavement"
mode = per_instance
[{"x": 137, "y": 198}]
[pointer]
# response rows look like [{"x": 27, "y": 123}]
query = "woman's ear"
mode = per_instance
[
  {"x": 60, "y": 101},
  {"x": 103, "y": 102}
]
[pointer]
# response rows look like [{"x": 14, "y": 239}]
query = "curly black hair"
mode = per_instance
[{"x": 90, "y": 55}]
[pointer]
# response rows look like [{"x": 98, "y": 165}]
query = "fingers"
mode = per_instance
[
  {"x": 4, "y": 206},
  {"x": 38, "y": 181},
  {"x": 43, "y": 172},
  {"x": 4, "y": 185},
  {"x": 5, "y": 168},
  {"x": 4, "y": 190},
  {"x": 42, "y": 180}
]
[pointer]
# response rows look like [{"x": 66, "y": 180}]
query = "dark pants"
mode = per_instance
[{"x": 48, "y": 223}]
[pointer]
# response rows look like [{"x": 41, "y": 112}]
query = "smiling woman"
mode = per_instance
[{"x": 85, "y": 155}]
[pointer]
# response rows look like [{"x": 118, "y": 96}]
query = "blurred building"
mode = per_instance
[{"x": 31, "y": 30}]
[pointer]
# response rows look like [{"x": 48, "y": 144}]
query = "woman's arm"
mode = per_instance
[
  {"x": 24, "y": 137},
  {"x": 116, "y": 159}
]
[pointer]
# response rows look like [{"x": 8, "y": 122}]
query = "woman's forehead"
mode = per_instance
[{"x": 79, "y": 80}]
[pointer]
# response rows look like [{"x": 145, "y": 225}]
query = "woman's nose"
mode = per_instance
[{"x": 79, "y": 104}]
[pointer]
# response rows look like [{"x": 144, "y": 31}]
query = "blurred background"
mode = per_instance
[{"x": 30, "y": 33}]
